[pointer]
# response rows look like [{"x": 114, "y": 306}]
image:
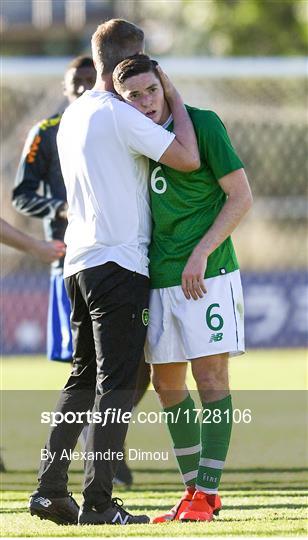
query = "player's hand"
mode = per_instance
[
  {"x": 169, "y": 89},
  {"x": 48, "y": 252},
  {"x": 193, "y": 284}
]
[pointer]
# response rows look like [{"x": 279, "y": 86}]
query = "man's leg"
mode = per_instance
[
  {"x": 211, "y": 376},
  {"x": 59, "y": 335},
  {"x": 77, "y": 396},
  {"x": 123, "y": 475},
  {"x": 51, "y": 501},
  {"x": 116, "y": 299}
]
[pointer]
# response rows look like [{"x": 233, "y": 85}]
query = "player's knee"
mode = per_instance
[
  {"x": 159, "y": 384},
  {"x": 207, "y": 380},
  {"x": 164, "y": 385},
  {"x": 212, "y": 379}
]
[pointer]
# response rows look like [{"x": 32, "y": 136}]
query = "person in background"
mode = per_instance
[
  {"x": 39, "y": 169},
  {"x": 46, "y": 252}
]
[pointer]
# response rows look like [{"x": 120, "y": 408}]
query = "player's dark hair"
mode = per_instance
[
  {"x": 134, "y": 65},
  {"x": 113, "y": 41},
  {"x": 80, "y": 62}
]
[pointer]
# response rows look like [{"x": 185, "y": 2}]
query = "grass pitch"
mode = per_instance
[
  {"x": 265, "y": 498},
  {"x": 256, "y": 370},
  {"x": 256, "y": 502}
]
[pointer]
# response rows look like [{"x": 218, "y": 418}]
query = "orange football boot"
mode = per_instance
[
  {"x": 179, "y": 508},
  {"x": 199, "y": 509},
  {"x": 215, "y": 502}
]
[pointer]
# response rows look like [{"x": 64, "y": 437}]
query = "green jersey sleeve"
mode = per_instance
[{"x": 215, "y": 145}]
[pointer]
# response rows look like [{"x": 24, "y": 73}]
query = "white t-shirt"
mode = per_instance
[{"x": 102, "y": 143}]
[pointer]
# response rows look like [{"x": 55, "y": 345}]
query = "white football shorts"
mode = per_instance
[{"x": 181, "y": 329}]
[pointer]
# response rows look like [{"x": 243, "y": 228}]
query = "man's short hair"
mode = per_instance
[
  {"x": 131, "y": 66},
  {"x": 113, "y": 41},
  {"x": 80, "y": 62}
]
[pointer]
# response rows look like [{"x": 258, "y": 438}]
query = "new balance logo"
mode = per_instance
[
  {"x": 118, "y": 518},
  {"x": 216, "y": 337},
  {"x": 44, "y": 502}
]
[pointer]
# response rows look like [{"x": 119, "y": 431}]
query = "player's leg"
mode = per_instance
[
  {"x": 184, "y": 428},
  {"x": 163, "y": 350},
  {"x": 116, "y": 299},
  {"x": 51, "y": 500},
  {"x": 211, "y": 376},
  {"x": 212, "y": 379},
  {"x": 169, "y": 381},
  {"x": 214, "y": 331}
]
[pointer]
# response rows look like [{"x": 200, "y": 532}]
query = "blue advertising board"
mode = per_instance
[{"x": 276, "y": 311}]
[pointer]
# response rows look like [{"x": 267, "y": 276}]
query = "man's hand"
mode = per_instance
[
  {"x": 193, "y": 275},
  {"x": 169, "y": 89},
  {"x": 183, "y": 153}
]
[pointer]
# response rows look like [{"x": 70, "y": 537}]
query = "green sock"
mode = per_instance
[
  {"x": 185, "y": 433},
  {"x": 215, "y": 438}
]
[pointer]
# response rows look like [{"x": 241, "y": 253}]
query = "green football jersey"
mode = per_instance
[{"x": 185, "y": 205}]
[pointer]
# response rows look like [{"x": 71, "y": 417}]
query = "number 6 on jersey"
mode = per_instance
[{"x": 158, "y": 183}]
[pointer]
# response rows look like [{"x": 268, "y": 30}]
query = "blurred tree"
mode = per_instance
[
  {"x": 263, "y": 27},
  {"x": 224, "y": 27},
  {"x": 179, "y": 27}
]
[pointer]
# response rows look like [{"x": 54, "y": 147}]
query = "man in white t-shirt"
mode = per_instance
[{"x": 103, "y": 148}]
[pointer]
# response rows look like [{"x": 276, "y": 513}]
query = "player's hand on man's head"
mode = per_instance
[{"x": 193, "y": 284}]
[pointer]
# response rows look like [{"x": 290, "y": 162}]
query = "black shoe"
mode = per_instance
[
  {"x": 123, "y": 476},
  {"x": 63, "y": 510},
  {"x": 113, "y": 515}
]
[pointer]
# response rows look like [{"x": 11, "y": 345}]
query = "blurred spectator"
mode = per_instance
[{"x": 39, "y": 165}]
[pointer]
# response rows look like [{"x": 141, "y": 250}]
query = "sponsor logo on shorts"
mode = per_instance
[
  {"x": 145, "y": 317},
  {"x": 216, "y": 337}
]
